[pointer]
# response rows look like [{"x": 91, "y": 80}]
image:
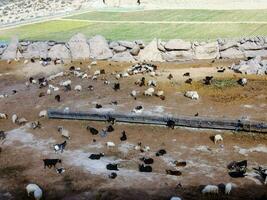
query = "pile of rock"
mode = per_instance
[
  {"x": 252, "y": 66},
  {"x": 98, "y": 48}
]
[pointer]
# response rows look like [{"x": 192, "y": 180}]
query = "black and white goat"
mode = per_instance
[
  {"x": 60, "y": 147},
  {"x": 145, "y": 168}
]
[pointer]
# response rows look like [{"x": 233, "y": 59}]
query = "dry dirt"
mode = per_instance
[{"x": 24, "y": 148}]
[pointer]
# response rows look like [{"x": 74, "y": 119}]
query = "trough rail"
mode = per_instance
[{"x": 185, "y": 121}]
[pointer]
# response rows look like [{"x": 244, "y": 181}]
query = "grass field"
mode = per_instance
[{"x": 63, "y": 29}]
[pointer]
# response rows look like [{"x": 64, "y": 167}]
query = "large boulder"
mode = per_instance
[
  {"x": 228, "y": 45},
  {"x": 232, "y": 53},
  {"x": 99, "y": 48},
  {"x": 127, "y": 44},
  {"x": 135, "y": 50},
  {"x": 253, "y": 66},
  {"x": 79, "y": 47},
  {"x": 151, "y": 53},
  {"x": 177, "y": 44},
  {"x": 59, "y": 51},
  {"x": 10, "y": 52},
  {"x": 118, "y": 49},
  {"x": 123, "y": 57},
  {"x": 207, "y": 51},
  {"x": 254, "y": 53},
  {"x": 113, "y": 44},
  {"x": 252, "y": 46},
  {"x": 36, "y": 50},
  {"x": 173, "y": 56}
]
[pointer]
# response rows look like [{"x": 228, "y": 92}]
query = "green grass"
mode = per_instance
[
  {"x": 177, "y": 15},
  {"x": 62, "y": 30}
]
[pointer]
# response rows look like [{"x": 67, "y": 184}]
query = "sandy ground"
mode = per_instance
[{"x": 24, "y": 148}]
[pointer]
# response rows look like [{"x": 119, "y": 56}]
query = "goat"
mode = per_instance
[
  {"x": 263, "y": 173},
  {"x": 41, "y": 94},
  {"x": 144, "y": 168},
  {"x": 170, "y": 77},
  {"x": 173, "y": 172},
  {"x": 3, "y": 116},
  {"x": 161, "y": 152},
  {"x": 141, "y": 82},
  {"x": 113, "y": 167},
  {"x": 221, "y": 70},
  {"x": 152, "y": 83},
  {"x": 98, "y": 106},
  {"x": 67, "y": 88},
  {"x": 175, "y": 198},
  {"x": 110, "y": 144},
  {"x": 113, "y": 175},
  {"x": 149, "y": 92},
  {"x": 22, "y": 121},
  {"x": 133, "y": 94},
  {"x": 207, "y": 80},
  {"x": 228, "y": 188},
  {"x": 170, "y": 124},
  {"x": 189, "y": 81},
  {"x": 147, "y": 161},
  {"x": 92, "y": 130},
  {"x": 111, "y": 120},
  {"x": 96, "y": 156},
  {"x": 138, "y": 109},
  {"x": 78, "y": 88},
  {"x": 43, "y": 113},
  {"x": 35, "y": 124},
  {"x": 179, "y": 164},
  {"x": 123, "y": 137},
  {"x": 90, "y": 87},
  {"x": 58, "y": 98},
  {"x": 64, "y": 132},
  {"x": 218, "y": 138},
  {"x": 60, "y": 170},
  {"x": 186, "y": 74},
  {"x": 116, "y": 86},
  {"x": 51, "y": 162},
  {"x": 192, "y": 95},
  {"x": 242, "y": 81},
  {"x": 60, "y": 147},
  {"x": 2, "y": 135},
  {"x": 109, "y": 128},
  {"x": 35, "y": 189},
  {"x": 65, "y": 83},
  {"x": 210, "y": 189}
]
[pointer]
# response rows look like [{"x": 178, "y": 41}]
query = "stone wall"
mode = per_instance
[{"x": 98, "y": 48}]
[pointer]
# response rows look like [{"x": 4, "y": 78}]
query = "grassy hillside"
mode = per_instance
[{"x": 62, "y": 30}]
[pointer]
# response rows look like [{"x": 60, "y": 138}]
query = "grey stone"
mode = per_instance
[
  {"x": 173, "y": 56},
  {"x": 255, "y": 53},
  {"x": 79, "y": 47},
  {"x": 10, "y": 52},
  {"x": 123, "y": 57},
  {"x": 59, "y": 51},
  {"x": 135, "y": 50},
  {"x": 207, "y": 51},
  {"x": 151, "y": 53},
  {"x": 140, "y": 43},
  {"x": 118, "y": 49},
  {"x": 252, "y": 46},
  {"x": 127, "y": 44},
  {"x": 36, "y": 50},
  {"x": 99, "y": 48},
  {"x": 232, "y": 53},
  {"x": 177, "y": 44},
  {"x": 113, "y": 44},
  {"x": 161, "y": 46},
  {"x": 228, "y": 45}
]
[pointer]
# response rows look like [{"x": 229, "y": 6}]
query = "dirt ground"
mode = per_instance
[{"x": 24, "y": 148}]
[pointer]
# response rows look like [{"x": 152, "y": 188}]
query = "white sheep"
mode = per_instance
[
  {"x": 218, "y": 138},
  {"x": 229, "y": 187},
  {"x": 26, "y": 62},
  {"x": 53, "y": 87},
  {"x": 48, "y": 92},
  {"x": 118, "y": 76},
  {"x": 84, "y": 76},
  {"x": 94, "y": 78},
  {"x": 64, "y": 132},
  {"x": 152, "y": 74},
  {"x": 65, "y": 83},
  {"x": 97, "y": 73},
  {"x": 3, "y": 116},
  {"x": 22, "y": 121},
  {"x": 125, "y": 74},
  {"x": 14, "y": 118},
  {"x": 145, "y": 149},
  {"x": 78, "y": 88},
  {"x": 93, "y": 63},
  {"x": 175, "y": 198},
  {"x": 160, "y": 93},
  {"x": 110, "y": 144},
  {"x": 149, "y": 92},
  {"x": 43, "y": 113},
  {"x": 133, "y": 94},
  {"x": 192, "y": 95},
  {"x": 210, "y": 189},
  {"x": 37, "y": 191},
  {"x": 2, "y": 96}
]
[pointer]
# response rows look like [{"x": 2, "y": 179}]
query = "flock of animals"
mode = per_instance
[{"x": 236, "y": 169}]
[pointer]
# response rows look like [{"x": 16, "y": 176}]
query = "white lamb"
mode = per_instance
[
  {"x": 64, "y": 132},
  {"x": 53, "y": 87},
  {"x": 48, "y": 92},
  {"x": 160, "y": 93},
  {"x": 14, "y": 118},
  {"x": 110, "y": 144},
  {"x": 192, "y": 95},
  {"x": 133, "y": 94},
  {"x": 218, "y": 138},
  {"x": 36, "y": 190},
  {"x": 229, "y": 187},
  {"x": 3, "y": 116},
  {"x": 149, "y": 92},
  {"x": 65, "y": 83},
  {"x": 210, "y": 189},
  {"x": 78, "y": 88},
  {"x": 43, "y": 113}
]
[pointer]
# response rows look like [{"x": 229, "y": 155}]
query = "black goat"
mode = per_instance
[
  {"x": 124, "y": 136},
  {"x": 112, "y": 167},
  {"x": 2, "y": 135},
  {"x": 60, "y": 147},
  {"x": 170, "y": 124},
  {"x": 110, "y": 128},
  {"x": 186, "y": 74},
  {"x": 116, "y": 86},
  {"x": 147, "y": 161},
  {"x": 96, "y": 156},
  {"x": 235, "y": 165},
  {"x": 58, "y": 98},
  {"x": 72, "y": 68},
  {"x": 111, "y": 120},
  {"x": 207, "y": 80},
  {"x": 237, "y": 174},
  {"x": 161, "y": 152},
  {"x": 143, "y": 168},
  {"x": 179, "y": 164},
  {"x": 51, "y": 162},
  {"x": 189, "y": 81},
  {"x": 98, "y": 106},
  {"x": 221, "y": 70},
  {"x": 173, "y": 172},
  {"x": 113, "y": 175},
  {"x": 170, "y": 77},
  {"x": 102, "y": 71},
  {"x": 92, "y": 130}
]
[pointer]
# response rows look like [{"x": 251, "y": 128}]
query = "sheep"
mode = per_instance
[
  {"x": 35, "y": 189},
  {"x": 90, "y": 87},
  {"x": 145, "y": 168},
  {"x": 52, "y": 77},
  {"x": 138, "y": 146},
  {"x": 113, "y": 167},
  {"x": 145, "y": 149},
  {"x": 140, "y": 82},
  {"x": 125, "y": 74},
  {"x": 161, "y": 152},
  {"x": 160, "y": 93},
  {"x": 51, "y": 162},
  {"x": 242, "y": 81},
  {"x": 55, "y": 89},
  {"x": 32, "y": 80},
  {"x": 118, "y": 76},
  {"x": 173, "y": 172},
  {"x": 84, "y": 76},
  {"x": 123, "y": 137},
  {"x": 2, "y": 96},
  {"x": 43, "y": 113},
  {"x": 152, "y": 83},
  {"x": 97, "y": 73},
  {"x": 228, "y": 188},
  {"x": 64, "y": 132},
  {"x": 93, "y": 63},
  {"x": 60, "y": 147},
  {"x": 96, "y": 156},
  {"x": 133, "y": 94},
  {"x": 22, "y": 121},
  {"x": 67, "y": 88},
  {"x": 175, "y": 198},
  {"x": 3, "y": 116},
  {"x": 138, "y": 109},
  {"x": 149, "y": 92},
  {"x": 14, "y": 118},
  {"x": 78, "y": 88},
  {"x": 35, "y": 124},
  {"x": 210, "y": 189},
  {"x": 192, "y": 95},
  {"x": 110, "y": 144},
  {"x": 147, "y": 161},
  {"x": 65, "y": 83},
  {"x": 218, "y": 138}
]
